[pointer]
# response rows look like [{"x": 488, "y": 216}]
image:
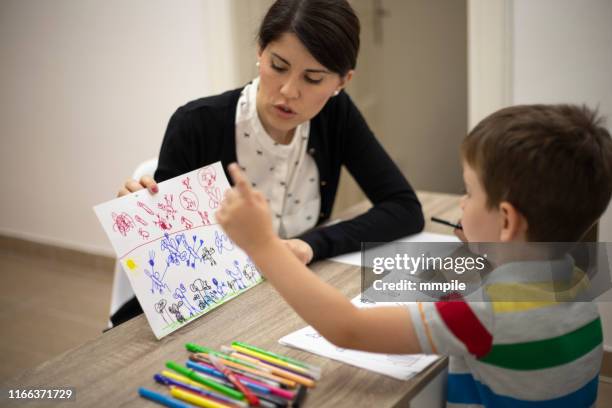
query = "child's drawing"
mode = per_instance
[{"x": 179, "y": 261}]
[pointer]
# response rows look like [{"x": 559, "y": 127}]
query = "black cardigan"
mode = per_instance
[{"x": 203, "y": 132}]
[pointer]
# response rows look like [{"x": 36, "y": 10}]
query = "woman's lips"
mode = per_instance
[{"x": 284, "y": 112}]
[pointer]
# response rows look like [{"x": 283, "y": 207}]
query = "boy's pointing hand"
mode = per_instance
[{"x": 244, "y": 213}]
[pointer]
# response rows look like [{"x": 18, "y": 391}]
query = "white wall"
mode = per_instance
[
  {"x": 563, "y": 53},
  {"x": 87, "y": 90}
]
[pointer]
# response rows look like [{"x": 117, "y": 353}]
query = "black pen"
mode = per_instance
[{"x": 450, "y": 224}]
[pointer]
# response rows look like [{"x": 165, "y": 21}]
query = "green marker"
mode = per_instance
[
  {"x": 278, "y": 356},
  {"x": 192, "y": 375},
  {"x": 195, "y": 348}
]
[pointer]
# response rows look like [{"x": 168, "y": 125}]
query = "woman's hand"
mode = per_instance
[
  {"x": 244, "y": 214},
  {"x": 300, "y": 249},
  {"x": 132, "y": 185}
]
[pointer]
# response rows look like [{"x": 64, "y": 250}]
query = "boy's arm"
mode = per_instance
[
  {"x": 380, "y": 329},
  {"x": 245, "y": 217}
]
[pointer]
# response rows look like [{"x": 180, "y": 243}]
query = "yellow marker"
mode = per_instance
[
  {"x": 183, "y": 379},
  {"x": 195, "y": 399},
  {"x": 131, "y": 264}
]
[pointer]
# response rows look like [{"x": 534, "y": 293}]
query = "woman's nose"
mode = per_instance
[{"x": 290, "y": 89}]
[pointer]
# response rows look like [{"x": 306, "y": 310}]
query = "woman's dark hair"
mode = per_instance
[{"x": 329, "y": 29}]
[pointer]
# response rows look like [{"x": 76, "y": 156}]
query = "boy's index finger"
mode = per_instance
[{"x": 240, "y": 180}]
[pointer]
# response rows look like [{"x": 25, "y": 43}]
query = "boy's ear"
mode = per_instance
[{"x": 513, "y": 223}]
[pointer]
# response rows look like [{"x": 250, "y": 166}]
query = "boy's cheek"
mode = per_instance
[
  {"x": 462, "y": 202},
  {"x": 466, "y": 224}
]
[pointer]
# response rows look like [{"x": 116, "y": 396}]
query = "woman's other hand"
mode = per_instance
[
  {"x": 132, "y": 185},
  {"x": 300, "y": 249}
]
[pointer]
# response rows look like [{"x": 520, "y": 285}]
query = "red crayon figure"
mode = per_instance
[
  {"x": 162, "y": 223},
  {"x": 122, "y": 223},
  {"x": 140, "y": 220},
  {"x": 144, "y": 207},
  {"x": 167, "y": 206},
  {"x": 189, "y": 201},
  {"x": 186, "y": 183},
  {"x": 204, "y": 216},
  {"x": 143, "y": 233},
  {"x": 186, "y": 222},
  {"x": 207, "y": 177}
]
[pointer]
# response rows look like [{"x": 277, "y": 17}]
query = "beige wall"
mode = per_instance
[
  {"x": 87, "y": 90},
  {"x": 423, "y": 79},
  {"x": 246, "y": 17},
  {"x": 411, "y": 86}
]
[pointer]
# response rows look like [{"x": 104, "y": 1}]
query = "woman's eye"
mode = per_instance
[
  {"x": 278, "y": 68},
  {"x": 313, "y": 80}
]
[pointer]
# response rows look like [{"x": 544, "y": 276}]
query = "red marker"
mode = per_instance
[{"x": 253, "y": 400}]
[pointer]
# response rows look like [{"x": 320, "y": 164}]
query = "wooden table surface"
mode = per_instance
[{"x": 107, "y": 371}]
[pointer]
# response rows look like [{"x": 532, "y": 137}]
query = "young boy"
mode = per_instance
[{"x": 532, "y": 173}]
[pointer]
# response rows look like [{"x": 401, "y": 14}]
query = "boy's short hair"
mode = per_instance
[{"x": 553, "y": 163}]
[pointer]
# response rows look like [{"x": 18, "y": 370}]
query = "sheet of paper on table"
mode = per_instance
[
  {"x": 354, "y": 258},
  {"x": 179, "y": 261},
  {"x": 400, "y": 366}
]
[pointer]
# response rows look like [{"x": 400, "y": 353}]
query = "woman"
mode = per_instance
[{"x": 291, "y": 129}]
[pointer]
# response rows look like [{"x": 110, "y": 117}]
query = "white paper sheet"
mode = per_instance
[
  {"x": 400, "y": 366},
  {"x": 179, "y": 261},
  {"x": 354, "y": 258}
]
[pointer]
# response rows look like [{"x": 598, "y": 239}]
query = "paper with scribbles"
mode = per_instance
[
  {"x": 400, "y": 366},
  {"x": 178, "y": 259}
]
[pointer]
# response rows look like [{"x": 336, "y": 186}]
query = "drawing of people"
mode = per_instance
[
  {"x": 174, "y": 309},
  {"x": 160, "y": 307},
  {"x": 219, "y": 287},
  {"x": 207, "y": 255},
  {"x": 223, "y": 242},
  {"x": 236, "y": 276},
  {"x": 199, "y": 287},
  {"x": 250, "y": 272},
  {"x": 179, "y": 294}
]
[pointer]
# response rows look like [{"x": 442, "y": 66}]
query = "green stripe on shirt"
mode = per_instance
[{"x": 546, "y": 353}]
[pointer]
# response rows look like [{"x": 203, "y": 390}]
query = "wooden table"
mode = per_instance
[{"x": 107, "y": 371}]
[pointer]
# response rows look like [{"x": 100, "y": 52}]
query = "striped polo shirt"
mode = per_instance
[{"x": 528, "y": 350}]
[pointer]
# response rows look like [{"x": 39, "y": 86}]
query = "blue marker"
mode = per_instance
[{"x": 162, "y": 399}]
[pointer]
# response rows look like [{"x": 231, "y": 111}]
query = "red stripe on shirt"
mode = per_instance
[{"x": 463, "y": 323}]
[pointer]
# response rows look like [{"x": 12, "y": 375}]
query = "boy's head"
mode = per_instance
[{"x": 536, "y": 173}]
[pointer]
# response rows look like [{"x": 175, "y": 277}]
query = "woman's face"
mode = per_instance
[{"x": 293, "y": 85}]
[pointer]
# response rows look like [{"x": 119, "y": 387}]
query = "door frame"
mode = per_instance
[{"x": 490, "y": 57}]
